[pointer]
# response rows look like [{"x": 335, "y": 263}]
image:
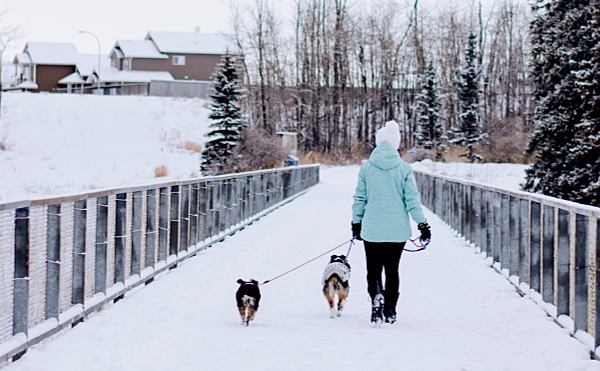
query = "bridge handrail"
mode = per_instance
[
  {"x": 65, "y": 257},
  {"x": 548, "y": 248}
]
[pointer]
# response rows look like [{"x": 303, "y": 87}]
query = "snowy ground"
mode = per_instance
[
  {"x": 503, "y": 176},
  {"x": 59, "y": 144},
  {"x": 455, "y": 312}
]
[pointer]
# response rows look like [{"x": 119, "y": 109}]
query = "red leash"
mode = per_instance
[{"x": 301, "y": 265}]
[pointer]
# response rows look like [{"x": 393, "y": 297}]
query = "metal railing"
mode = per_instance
[
  {"x": 63, "y": 258},
  {"x": 540, "y": 243}
]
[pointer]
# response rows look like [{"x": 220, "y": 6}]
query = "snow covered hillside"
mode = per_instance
[{"x": 60, "y": 144}]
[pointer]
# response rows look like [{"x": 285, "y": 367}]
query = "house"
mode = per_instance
[
  {"x": 42, "y": 65},
  {"x": 129, "y": 68},
  {"x": 185, "y": 55}
]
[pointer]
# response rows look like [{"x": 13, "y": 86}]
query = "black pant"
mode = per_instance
[{"x": 384, "y": 255}]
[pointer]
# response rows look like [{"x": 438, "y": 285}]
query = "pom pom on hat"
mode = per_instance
[{"x": 389, "y": 133}]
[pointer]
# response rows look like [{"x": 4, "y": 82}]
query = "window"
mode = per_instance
[{"x": 178, "y": 60}]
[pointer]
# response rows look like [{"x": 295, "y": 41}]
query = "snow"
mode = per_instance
[
  {"x": 191, "y": 42},
  {"x": 60, "y": 143},
  {"x": 504, "y": 176},
  {"x": 140, "y": 49},
  {"x": 52, "y": 53},
  {"x": 73, "y": 78},
  {"x": 455, "y": 312},
  {"x": 113, "y": 74}
]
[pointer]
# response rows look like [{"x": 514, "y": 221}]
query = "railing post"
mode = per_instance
[
  {"x": 202, "y": 211},
  {"x": 120, "y": 236},
  {"x": 136, "y": 232},
  {"x": 79, "y": 251},
  {"x": 101, "y": 244},
  {"x": 194, "y": 214},
  {"x": 483, "y": 228},
  {"x": 163, "y": 223},
  {"x": 524, "y": 243},
  {"x": 548, "y": 255},
  {"x": 563, "y": 257},
  {"x": 53, "y": 262},
  {"x": 597, "y": 283},
  {"x": 151, "y": 206},
  {"x": 581, "y": 272},
  {"x": 514, "y": 236},
  {"x": 505, "y": 231},
  {"x": 174, "y": 223},
  {"x": 536, "y": 247},
  {"x": 185, "y": 218}
]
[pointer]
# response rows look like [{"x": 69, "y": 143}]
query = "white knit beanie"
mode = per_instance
[{"x": 389, "y": 133}]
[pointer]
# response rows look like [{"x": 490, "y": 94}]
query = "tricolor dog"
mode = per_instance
[
  {"x": 247, "y": 296},
  {"x": 336, "y": 281}
]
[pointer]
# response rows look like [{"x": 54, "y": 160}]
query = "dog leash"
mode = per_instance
[
  {"x": 350, "y": 248},
  {"x": 420, "y": 247},
  {"x": 303, "y": 264}
]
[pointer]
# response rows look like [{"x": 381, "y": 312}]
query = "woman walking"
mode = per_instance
[{"x": 385, "y": 196}]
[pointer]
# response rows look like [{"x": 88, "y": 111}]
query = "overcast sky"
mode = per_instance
[{"x": 109, "y": 20}]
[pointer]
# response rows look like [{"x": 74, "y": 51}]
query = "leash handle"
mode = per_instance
[
  {"x": 350, "y": 248},
  {"x": 420, "y": 247}
]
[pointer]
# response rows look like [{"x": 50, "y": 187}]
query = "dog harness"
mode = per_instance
[{"x": 341, "y": 269}]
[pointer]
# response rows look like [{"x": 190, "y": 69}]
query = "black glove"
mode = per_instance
[
  {"x": 356, "y": 230},
  {"x": 425, "y": 232}
]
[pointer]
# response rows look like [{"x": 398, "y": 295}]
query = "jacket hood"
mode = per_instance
[{"x": 385, "y": 156}]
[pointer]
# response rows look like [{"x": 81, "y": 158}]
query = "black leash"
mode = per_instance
[{"x": 303, "y": 264}]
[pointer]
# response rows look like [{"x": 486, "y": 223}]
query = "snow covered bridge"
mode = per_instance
[{"x": 455, "y": 311}]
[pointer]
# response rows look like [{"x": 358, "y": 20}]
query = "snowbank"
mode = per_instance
[{"x": 59, "y": 144}]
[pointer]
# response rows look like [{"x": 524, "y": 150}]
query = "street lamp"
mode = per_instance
[{"x": 99, "y": 56}]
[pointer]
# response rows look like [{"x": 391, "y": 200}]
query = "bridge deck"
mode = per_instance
[{"x": 455, "y": 312}]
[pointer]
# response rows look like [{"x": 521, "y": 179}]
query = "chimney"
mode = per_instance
[{"x": 197, "y": 29}]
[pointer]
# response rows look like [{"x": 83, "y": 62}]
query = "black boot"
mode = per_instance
[
  {"x": 377, "y": 307},
  {"x": 389, "y": 310}
]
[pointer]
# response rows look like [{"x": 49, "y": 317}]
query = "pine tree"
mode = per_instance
[
  {"x": 228, "y": 120},
  {"x": 565, "y": 41},
  {"x": 430, "y": 129},
  {"x": 467, "y": 80}
]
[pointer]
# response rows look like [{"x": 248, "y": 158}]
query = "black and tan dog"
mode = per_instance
[
  {"x": 247, "y": 296},
  {"x": 336, "y": 281}
]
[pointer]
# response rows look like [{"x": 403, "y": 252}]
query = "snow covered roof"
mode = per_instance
[
  {"x": 22, "y": 58},
  {"x": 27, "y": 84},
  {"x": 138, "y": 49},
  {"x": 88, "y": 63},
  {"x": 73, "y": 78},
  {"x": 52, "y": 53},
  {"x": 111, "y": 74},
  {"x": 191, "y": 42}
]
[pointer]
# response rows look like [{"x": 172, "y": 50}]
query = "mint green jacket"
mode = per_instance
[{"x": 386, "y": 193}]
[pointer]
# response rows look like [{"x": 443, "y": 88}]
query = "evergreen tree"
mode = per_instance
[
  {"x": 228, "y": 120},
  {"x": 430, "y": 129},
  {"x": 565, "y": 40},
  {"x": 467, "y": 80}
]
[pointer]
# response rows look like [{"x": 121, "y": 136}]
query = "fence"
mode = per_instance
[
  {"x": 181, "y": 88},
  {"x": 64, "y": 258},
  {"x": 541, "y": 243}
]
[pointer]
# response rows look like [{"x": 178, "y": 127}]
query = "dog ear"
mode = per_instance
[
  {"x": 254, "y": 282},
  {"x": 240, "y": 281}
]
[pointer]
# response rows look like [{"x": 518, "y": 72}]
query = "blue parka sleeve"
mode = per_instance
[
  {"x": 360, "y": 198},
  {"x": 412, "y": 199}
]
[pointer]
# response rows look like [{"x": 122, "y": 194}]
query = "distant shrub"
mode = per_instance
[
  {"x": 191, "y": 146},
  {"x": 160, "y": 171},
  {"x": 420, "y": 154},
  {"x": 256, "y": 151}
]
